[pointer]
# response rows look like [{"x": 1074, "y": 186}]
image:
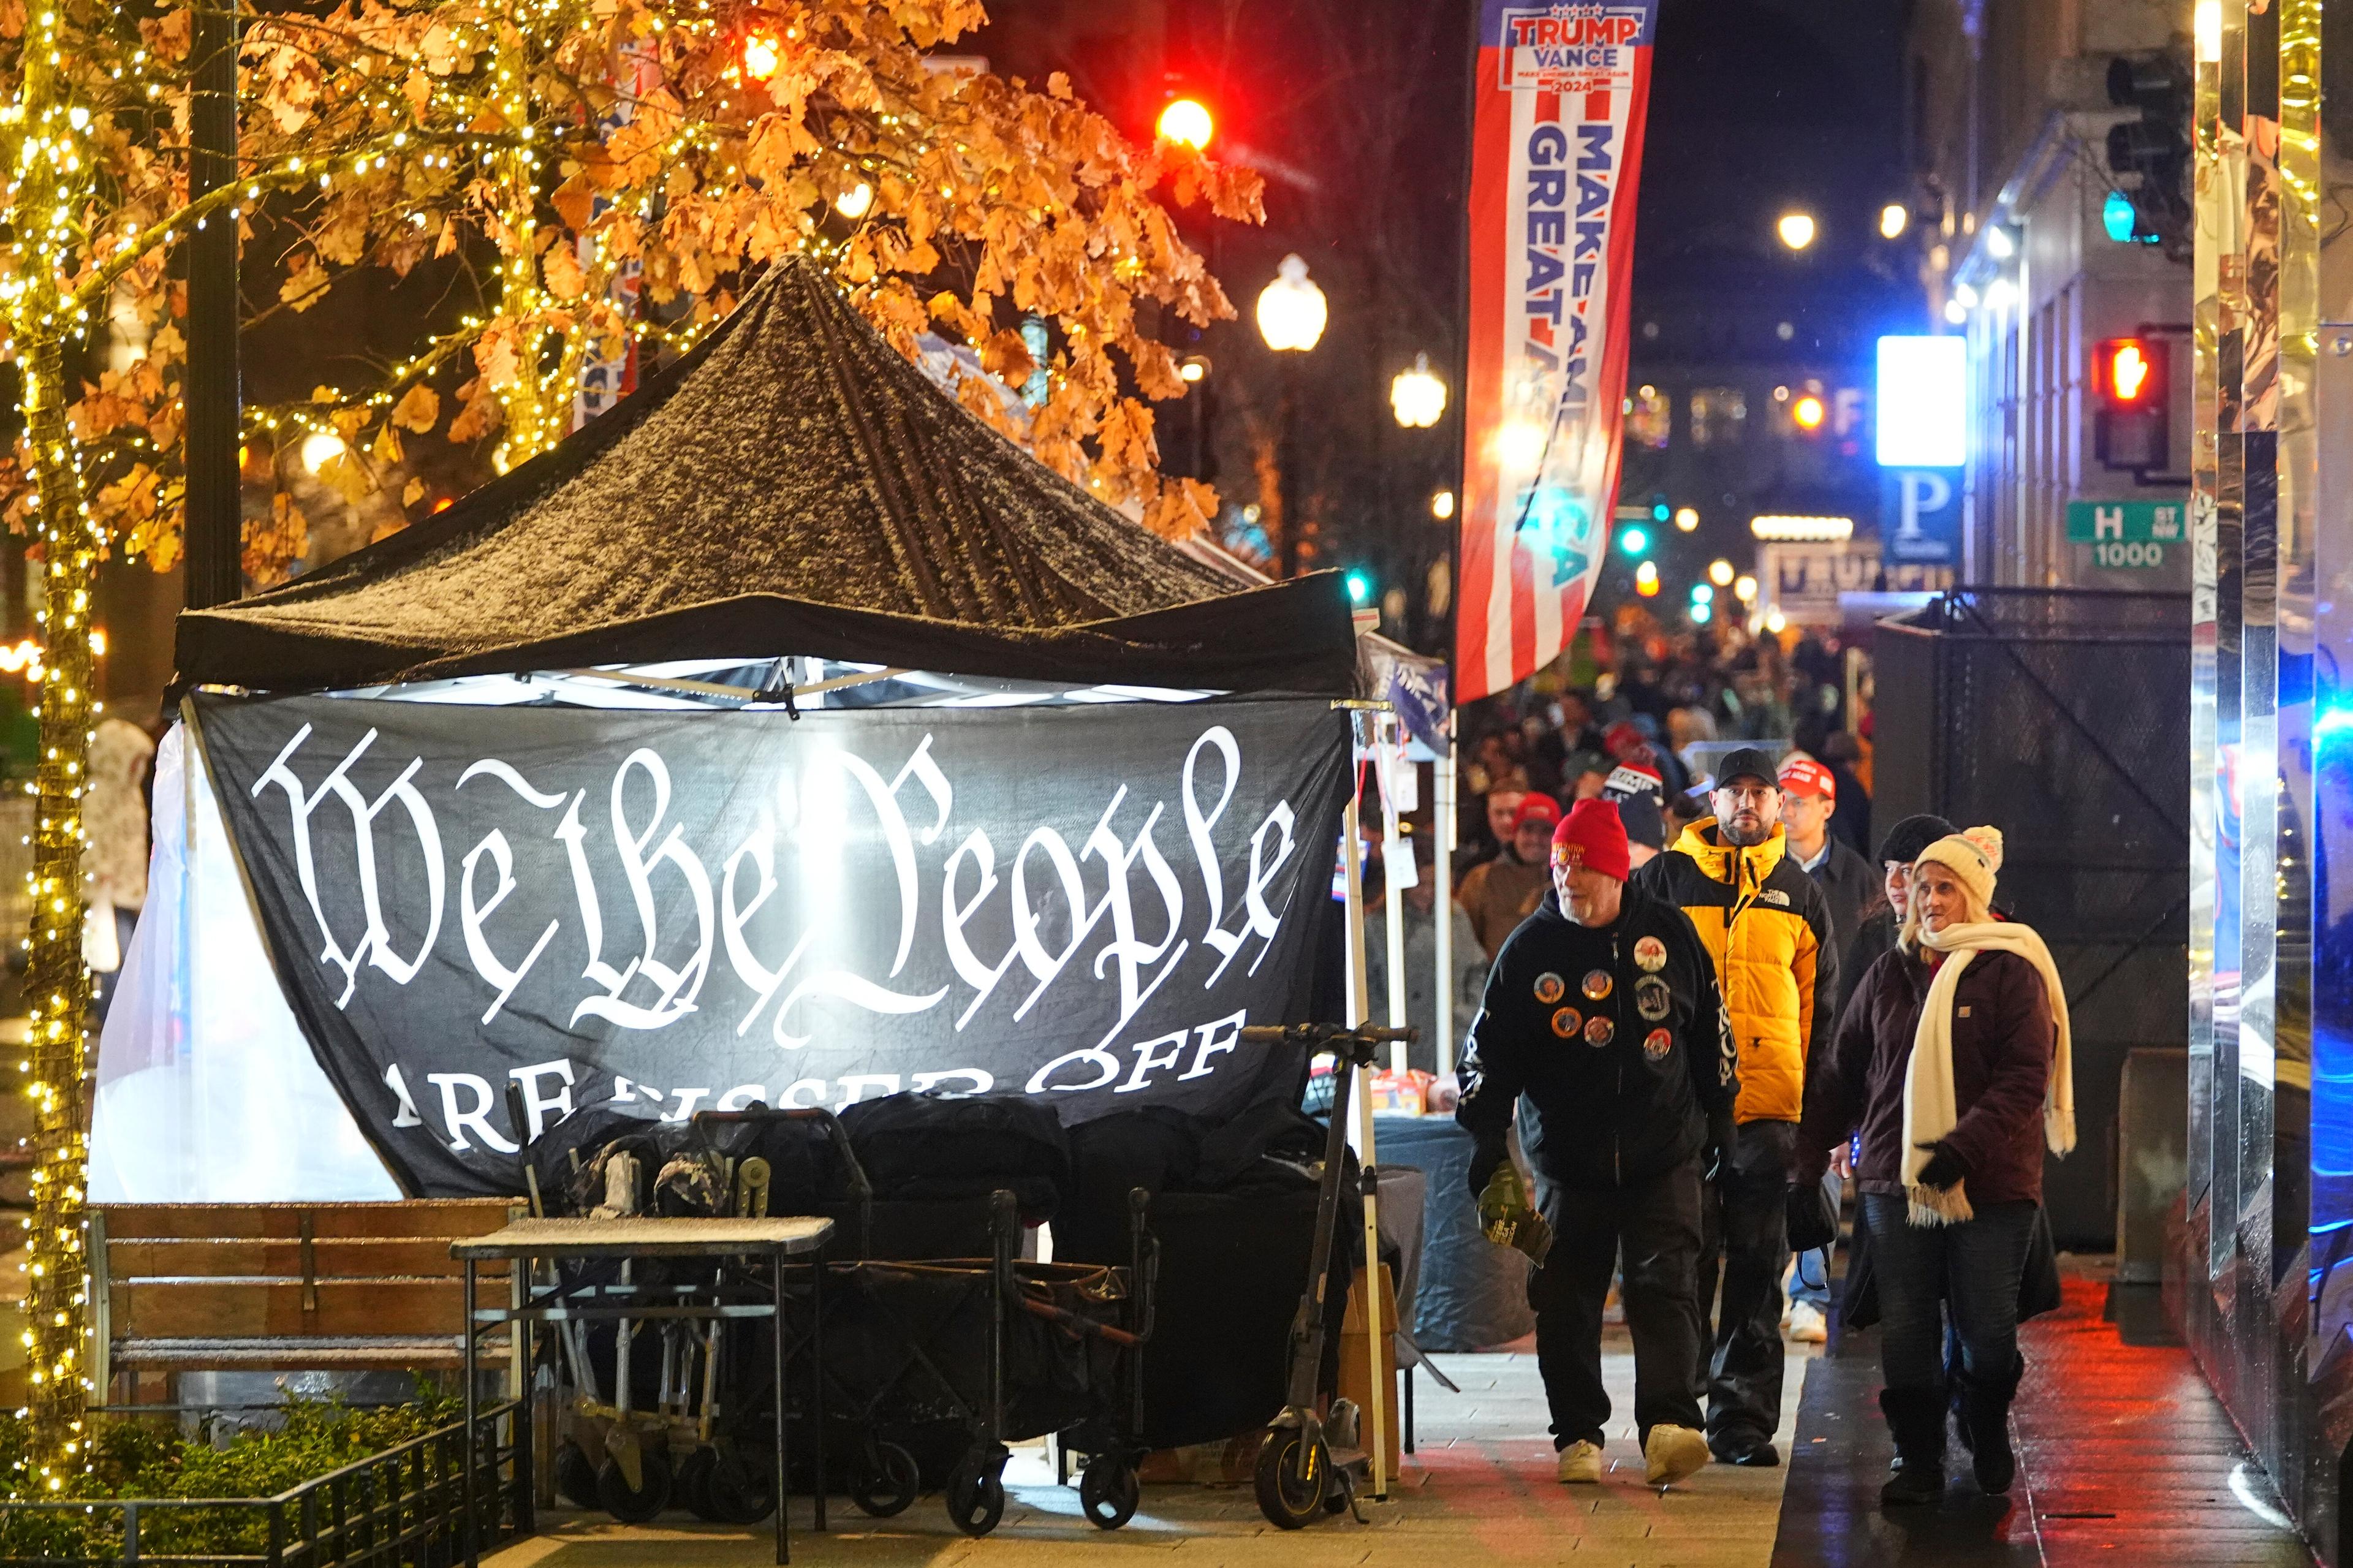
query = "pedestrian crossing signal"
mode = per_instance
[{"x": 2132, "y": 421}]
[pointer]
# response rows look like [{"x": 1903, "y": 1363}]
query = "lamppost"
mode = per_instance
[
  {"x": 1291, "y": 316},
  {"x": 1417, "y": 396}
]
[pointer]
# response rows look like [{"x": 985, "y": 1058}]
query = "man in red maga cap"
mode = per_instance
[{"x": 1602, "y": 1011}]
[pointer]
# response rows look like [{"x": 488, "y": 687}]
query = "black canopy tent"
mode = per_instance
[{"x": 793, "y": 487}]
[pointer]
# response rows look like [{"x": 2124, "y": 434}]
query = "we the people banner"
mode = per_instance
[
  {"x": 1560, "y": 95},
  {"x": 687, "y": 911}
]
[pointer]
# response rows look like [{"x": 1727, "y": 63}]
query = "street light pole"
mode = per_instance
[
  {"x": 1291, "y": 316},
  {"x": 215, "y": 524}
]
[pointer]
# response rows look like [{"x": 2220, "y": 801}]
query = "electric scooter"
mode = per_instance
[{"x": 1308, "y": 1462}]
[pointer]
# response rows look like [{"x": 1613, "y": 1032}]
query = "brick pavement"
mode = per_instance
[{"x": 1479, "y": 1490}]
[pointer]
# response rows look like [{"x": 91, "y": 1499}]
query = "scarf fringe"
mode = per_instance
[{"x": 1938, "y": 1206}]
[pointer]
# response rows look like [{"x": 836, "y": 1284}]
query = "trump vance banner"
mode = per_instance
[
  {"x": 693, "y": 912},
  {"x": 1558, "y": 149}
]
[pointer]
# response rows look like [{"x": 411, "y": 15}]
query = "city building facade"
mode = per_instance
[{"x": 2049, "y": 148}]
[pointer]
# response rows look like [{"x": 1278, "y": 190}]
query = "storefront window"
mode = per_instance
[
  {"x": 1649, "y": 418},
  {"x": 1718, "y": 415}
]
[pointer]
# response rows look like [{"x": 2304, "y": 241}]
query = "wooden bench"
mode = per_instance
[{"x": 339, "y": 1287}]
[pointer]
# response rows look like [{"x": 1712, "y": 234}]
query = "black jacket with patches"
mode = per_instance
[{"x": 1619, "y": 1111}]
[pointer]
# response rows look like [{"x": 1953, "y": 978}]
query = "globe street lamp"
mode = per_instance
[
  {"x": 1291, "y": 316},
  {"x": 1417, "y": 397},
  {"x": 1291, "y": 309},
  {"x": 1796, "y": 230}
]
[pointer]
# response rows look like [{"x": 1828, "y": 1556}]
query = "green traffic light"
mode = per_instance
[
  {"x": 1360, "y": 588},
  {"x": 1633, "y": 540},
  {"x": 1659, "y": 511}
]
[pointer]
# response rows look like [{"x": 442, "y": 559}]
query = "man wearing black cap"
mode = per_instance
[
  {"x": 1876, "y": 934},
  {"x": 1641, "y": 796},
  {"x": 1764, "y": 922}
]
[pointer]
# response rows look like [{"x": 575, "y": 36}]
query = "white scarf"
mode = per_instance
[{"x": 1930, "y": 1108}]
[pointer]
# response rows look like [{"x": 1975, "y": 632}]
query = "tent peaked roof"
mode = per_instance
[{"x": 793, "y": 486}]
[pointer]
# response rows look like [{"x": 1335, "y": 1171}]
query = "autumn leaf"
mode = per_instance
[
  {"x": 419, "y": 409},
  {"x": 306, "y": 284},
  {"x": 561, "y": 268}
]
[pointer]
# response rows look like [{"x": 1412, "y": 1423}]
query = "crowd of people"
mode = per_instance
[{"x": 1698, "y": 1000}]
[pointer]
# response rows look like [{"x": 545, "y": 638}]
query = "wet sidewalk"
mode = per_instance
[
  {"x": 1479, "y": 1489},
  {"x": 2125, "y": 1457}
]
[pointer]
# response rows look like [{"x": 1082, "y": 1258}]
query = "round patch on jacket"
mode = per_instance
[
  {"x": 1652, "y": 998},
  {"x": 1597, "y": 985},
  {"x": 1649, "y": 954},
  {"x": 1599, "y": 1031},
  {"x": 1656, "y": 1043},
  {"x": 1550, "y": 988},
  {"x": 1566, "y": 1022}
]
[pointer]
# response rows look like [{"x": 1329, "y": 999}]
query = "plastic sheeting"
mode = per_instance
[{"x": 207, "y": 1090}]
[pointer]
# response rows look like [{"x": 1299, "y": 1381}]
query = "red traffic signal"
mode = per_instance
[
  {"x": 2132, "y": 381},
  {"x": 1187, "y": 123}
]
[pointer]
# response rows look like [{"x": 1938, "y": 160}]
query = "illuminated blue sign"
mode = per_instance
[{"x": 1923, "y": 405}]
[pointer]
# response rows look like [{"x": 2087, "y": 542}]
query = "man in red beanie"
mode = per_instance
[{"x": 1602, "y": 1010}]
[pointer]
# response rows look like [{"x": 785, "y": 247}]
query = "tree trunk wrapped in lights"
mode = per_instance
[{"x": 381, "y": 137}]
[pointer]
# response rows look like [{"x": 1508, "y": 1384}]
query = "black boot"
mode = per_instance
[
  {"x": 1916, "y": 1418},
  {"x": 1985, "y": 1420}
]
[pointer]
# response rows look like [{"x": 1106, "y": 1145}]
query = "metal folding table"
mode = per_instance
[{"x": 559, "y": 1240}]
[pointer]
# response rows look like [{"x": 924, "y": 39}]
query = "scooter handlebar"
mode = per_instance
[{"x": 1324, "y": 1034}]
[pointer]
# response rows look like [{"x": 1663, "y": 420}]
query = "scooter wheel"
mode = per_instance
[
  {"x": 888, "y": 1482},
  {"x": 576, "y": 1477},
  {"x": 1293, "y": 1475},
  {"x": 644, "y": 1504},
  {"x": 742, "y": 1489},
  {"x": 1109, "y": 1492},
  {"x": 975, "y": 1499},
  {"x": 692, "y": 1485}
]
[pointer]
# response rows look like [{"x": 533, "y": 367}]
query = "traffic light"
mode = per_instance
[
  {"x": 2131, "y": 383},
  {"x": 1360, "y": 586},
  {"x": 2150, "y": 155},
  {"x": 1187, "y": 121}
]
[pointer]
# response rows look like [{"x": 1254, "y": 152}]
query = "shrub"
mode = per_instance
[{"x": 134, "y": 1458}]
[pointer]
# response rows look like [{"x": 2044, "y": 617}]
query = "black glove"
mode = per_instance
[
  {"x": 1722, "y": 1136},
  {"x": 1943, "y": 1167},
  {"x": 1486, "y": 1161}
]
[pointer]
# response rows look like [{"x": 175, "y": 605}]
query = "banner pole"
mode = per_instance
[
  {"x": 1392, "y": 901},
  {"x": 1442, "y": 855}
]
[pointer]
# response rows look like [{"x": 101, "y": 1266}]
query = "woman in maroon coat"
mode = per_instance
[{"x": 1952, "y": 1058}]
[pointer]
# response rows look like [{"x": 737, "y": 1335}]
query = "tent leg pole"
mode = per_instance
[
  {"x": 1441, "y": 854},
  {"x": 1359, "y": 1013},
  {"x": 1392, "y": 899}
]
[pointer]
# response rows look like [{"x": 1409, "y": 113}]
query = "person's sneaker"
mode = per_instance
[
  {"x": 1758, "y": 1455},
  {"x": 1807, "y": 1325},
  {"x": 1671, "y": 1453},
  {"x": 1580, "y": 1464}
]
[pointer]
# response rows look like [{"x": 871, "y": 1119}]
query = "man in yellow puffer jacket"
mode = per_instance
[{"x": 1765, "y": 922}]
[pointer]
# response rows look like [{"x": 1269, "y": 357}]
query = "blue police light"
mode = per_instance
[
  {"x": 1633, "y": 540},
  {"x": 1923, "y": 404},
  {"x": 1360, "y": 588},
  {"x": 2117, "y": 216}
]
